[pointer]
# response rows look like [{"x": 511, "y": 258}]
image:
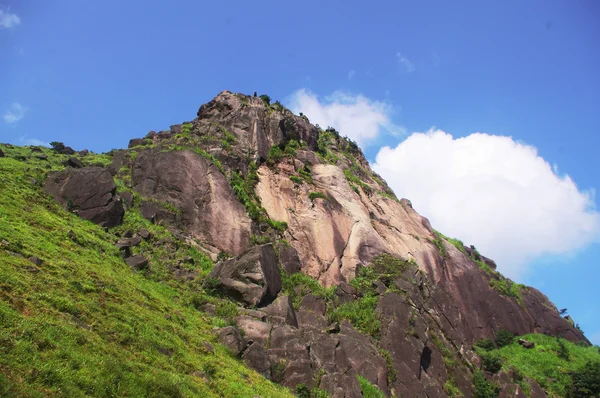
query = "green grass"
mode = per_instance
[
  {"x": 298, "y": 285},
  {"x": 85, "y": 324},
  {"x": 369, "y": 390},
  {"x": 543, "y": 363},
  {"x": 361, "y": 313}
]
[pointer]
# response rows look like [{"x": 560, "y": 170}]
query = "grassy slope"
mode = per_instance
[
  {"x": 543, "y": 364},
  {"x": 85, "y": 324}
]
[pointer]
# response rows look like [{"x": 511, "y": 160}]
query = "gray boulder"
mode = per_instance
[
  {"x": 252, "y": 278},
  {"x": 90, "y": 192}
]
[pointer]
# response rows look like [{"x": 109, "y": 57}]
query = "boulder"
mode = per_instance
[
  {"x": 155, "y": 213},
  {"x": 90, "y": 191},
  {"x": 1, "y": 153},
  {"x": 282, "y": 308},
  {"x": 67, "y": 151},
  {"x": 256, "y": 357},
  {"x": 137, "y": 262},
  {"x": 83, "y": 152},
  {"x": 136, "y": 142},
  {"x": 36, "y": 260},
  {"x": 232, "y": 339},
  {"x": 289, "y": 260},
  {"x": 145, "y": 234},
  {"x": 254, "y": 330},
  {"x": 252, "y": 278},
  {"x": 526, "y": 344},
  {"x": 313, "y": 304},
  {"x": 127, "y": 199},
  {"x": 75, "y": 163}
]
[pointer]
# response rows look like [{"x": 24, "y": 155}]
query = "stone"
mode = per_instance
[
  {"x": 310, "y": 319},
  {"x": 252, "y": 278},
  {"x": 137, "y": 262},
  {"x": 135, "y": 240},
  {"x": 254, "y": 330},
  {"x": 289, "y": 260},
  {"x": 128, "y": 233},
  {"x": 256, "y": 357},
  {"x": 67, "y": 151},
  {"x": 136, "y": 142},
  {"x": 282, "y": 308},
  {"x": 144, "y": 233},
  {"x": 75, "y": 163},
  {"x": 90, "y": 191},
  {"x": 1, "y": 153},
  {"x": 127, "y": 199},
  {"x": 36, "y": 260},
  {"x": 156, "y": 213},
  {"x": 526, "y": 344},
  {"x": 83, "y": 152},
  {"x": 232, "y": 339},
  {"x": 208, "y": 308},
  {"x": 41, "y": 156},
  {"x": 260, "y": 315},
  {"x": 313, "y": 304}
]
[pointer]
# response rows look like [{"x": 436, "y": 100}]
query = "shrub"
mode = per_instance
[
  {"x": 504, "y": 337},
  {"x": 586, "y": 381},
  {"x": 361, "y": 313},
  {"x": 314, "y": 195},
  {"x": 492, "y": 362},
  {"x": 57, "y": 146},
  {"x": 275, "y": 155},
  {"x": 483, "y": 388},
  {"x": 266, "y": 99},
  {"x": 485, "y": 344},
  {"x": 297, "y": 180},
  {"x": 368, "y": 389},
  {"x": 223, "y": 255}
]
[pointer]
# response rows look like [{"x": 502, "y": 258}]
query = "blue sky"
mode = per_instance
[{"x": 95, "y": 74}]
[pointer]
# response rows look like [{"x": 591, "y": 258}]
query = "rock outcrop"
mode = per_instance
[
  {"x": 251, "y": 278},
  {"x": 90, "y": 192}
]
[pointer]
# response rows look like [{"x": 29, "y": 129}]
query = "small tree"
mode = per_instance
[
  {"x": 563, "y": 350},
  {"x": 266, "y": 99},
  {"x": 586, "y": 381},
  {"x": 57, "y": 146}
]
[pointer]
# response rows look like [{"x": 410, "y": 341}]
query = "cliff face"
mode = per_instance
[
  {"x": 396, "y": 302},
  {"x": 339, "y": 216}
]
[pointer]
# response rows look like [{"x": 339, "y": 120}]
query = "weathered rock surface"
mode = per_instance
[
  {"x": 209, "y": 209},
  {"x": 90, "y": 191},
  {"x": 231, "y": 337},
  {"x": 252, "y": 278}
]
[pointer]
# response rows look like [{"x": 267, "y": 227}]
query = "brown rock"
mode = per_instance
[
  {"x": 209, "y": 210},
  {"x": 252, "y": 278},
  {"x": 136, "y": 142},
  {"x": 313, "y": 304},
  {"x": 137, "y": 262},
  {"x": 127, "y": 199},
  {"x": 231, "y": 337},
  {"x": 289, "y": 260},
  {"x": 75, "y": 163},
  {"x": 282, "y": 307},
  {"x": 526, "y": 344},
  {"x": 91, "y": 191},
  {"x": 254, "y": 330},
  {"x": 256, "y": 357},
  {"x": 36, "y": 260}
]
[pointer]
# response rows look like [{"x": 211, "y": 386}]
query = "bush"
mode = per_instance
[
  {"x": 485, "y": 344},
  {"x": 492, "y": 362},
  {"x": 275, "y": 155},
  {"x": 314, "y": 195},
  {"x": 361, "y": 313},
  {"x": 297, "y": 180},
  {"x": 586, "y": 381},
  {"x": 266, "y": 99},
  {"x": 504, "y": 338},
  {"x": 483, "y": 388},
  {"x": 369, "y": 390}
]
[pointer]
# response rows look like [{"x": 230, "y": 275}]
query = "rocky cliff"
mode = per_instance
[{"x": 337, "y": 282}]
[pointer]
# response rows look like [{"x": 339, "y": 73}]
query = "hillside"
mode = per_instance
[{"x": 246, "y": 249}]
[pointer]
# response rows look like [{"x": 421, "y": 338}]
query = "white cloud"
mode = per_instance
[
  {"x": 494, "y": 193},
  {"x": 402, "y": 60},
  {"x": 8, "y": 20},
  {"x": 356, "y": 116},
  {"x": 14, "y": 113},
  {"x": 34, "y": 141},
  {"x": 351, "y": 74}
]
